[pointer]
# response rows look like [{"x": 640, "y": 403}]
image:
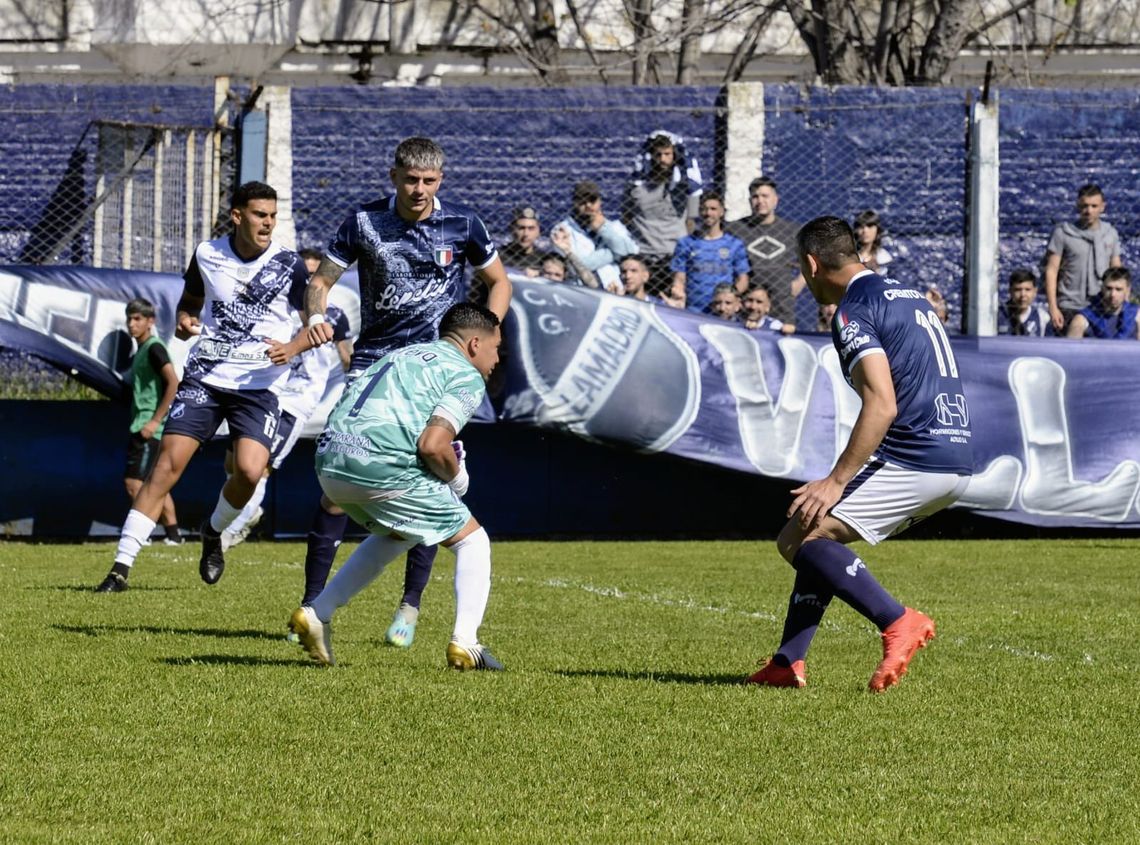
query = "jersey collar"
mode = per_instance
[{"x": 392, "y": 203}]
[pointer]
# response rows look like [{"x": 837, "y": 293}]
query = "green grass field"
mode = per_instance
[{"x": 177, "y": 713}]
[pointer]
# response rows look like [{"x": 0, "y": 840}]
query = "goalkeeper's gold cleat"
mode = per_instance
[
  {"x": 315, "y": 636},
  {"x": 477, "y": 657}
]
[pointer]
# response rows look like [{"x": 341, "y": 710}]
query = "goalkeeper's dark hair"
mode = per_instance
[
  {"x": 252, "y": 191},
  {"x": 464, "y": 317},
  {"x": 830, "y": 240}
]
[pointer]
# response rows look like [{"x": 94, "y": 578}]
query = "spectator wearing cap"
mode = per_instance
[
  {"x": 523, "y": 252},
  {"x": 588, "y": 237}
]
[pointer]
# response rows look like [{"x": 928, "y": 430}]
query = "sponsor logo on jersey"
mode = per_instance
[
  {"x": 722, "y": 252},
  {"x": 443, "y": 255},
  {"x": 890, "y": 295},
  {"x": 849, "y": 332},
  {"x": 856, "y": 343}
]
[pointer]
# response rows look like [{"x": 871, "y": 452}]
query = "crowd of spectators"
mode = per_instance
[{"x": 673, "y": 246}]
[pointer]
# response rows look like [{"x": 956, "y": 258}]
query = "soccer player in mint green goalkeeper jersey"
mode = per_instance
[{"x": 386, "y": 457}]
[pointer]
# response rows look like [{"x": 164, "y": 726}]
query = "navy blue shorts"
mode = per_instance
[
  {"x": 199, "y": 409},
  {"x": 284, "y": 439},
  {"x": 141, "y": 455}
]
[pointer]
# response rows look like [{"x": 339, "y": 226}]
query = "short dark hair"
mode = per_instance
[
  {"x": 830, "y": 240},
  {"x": 138, "y": 305},
  {"x": 463, "y": 317},
  {"x": 1020, "y": 275},
  {"x": 761, "y": 182},
  {"x": 1113, "y": 274},
  {"x": 419, "y": 154},
  {"x": 250, "y": 191},
  {"x": 712, "y": 195},
  {"x": 1089, "y": 190},
  {"x": 633, "y": 256},
  {"x": 725, "y": 287},
  {"x": 309, "y": 252},
  {"x": 660, "y": 141}
]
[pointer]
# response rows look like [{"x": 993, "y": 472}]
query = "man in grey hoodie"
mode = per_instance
[{"x": 1077, "y": 256}]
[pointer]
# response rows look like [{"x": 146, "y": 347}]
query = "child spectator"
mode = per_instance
[{"x": 1022, "y": 314}]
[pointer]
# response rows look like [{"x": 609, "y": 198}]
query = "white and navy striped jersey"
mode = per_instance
[{"x": 246, "y": 302}]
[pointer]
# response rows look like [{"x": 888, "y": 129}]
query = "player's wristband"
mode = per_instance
[
  {"x": 461, "y": 481},
  {"x": 316, "y": 320}
]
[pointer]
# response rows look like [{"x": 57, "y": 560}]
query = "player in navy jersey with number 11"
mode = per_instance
[{"x": 908, "y": 456}]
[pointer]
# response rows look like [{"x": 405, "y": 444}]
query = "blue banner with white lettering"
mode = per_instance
[
  {"x": 1056, "y": 422},
  {"x": 1056, "y": 429}
]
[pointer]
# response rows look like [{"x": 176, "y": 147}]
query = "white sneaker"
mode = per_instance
[
  {"x": 315, "y": 635},
  {"x": 233, "y": 538}
]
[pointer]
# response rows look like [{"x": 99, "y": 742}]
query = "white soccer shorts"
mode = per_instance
[{"x": 884, "y": 499}]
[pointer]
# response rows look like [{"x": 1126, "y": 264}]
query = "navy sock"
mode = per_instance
[
  {"x": 810, "y": 598},
  {"x": 417, "y": 573},
  {"x": 847, "y": 576},
  {"x": 324, "y": 536}
]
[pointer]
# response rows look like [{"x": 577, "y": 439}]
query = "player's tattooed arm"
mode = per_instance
[
  {"x": 434, "y": 447},
  {"x": 317, "y": 298}
]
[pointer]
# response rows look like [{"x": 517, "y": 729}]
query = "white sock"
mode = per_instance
[
  {"x": 136, "y": 531},
  {"x": 224, "y": 514},
  {"x": 250, "y": 508},
  {"x": 472, "y": 584},
  {"x": 360, "y": 570}
]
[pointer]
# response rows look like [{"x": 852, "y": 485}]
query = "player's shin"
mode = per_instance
[
  {"x": 360, "y": 570},
  {"x": 325, "y": 536},
  {"x": 806, "y": 606},
  {"x": 417, "y": 573},
  {"x": 847, "y": 576},
  {"x": 224, "y": 514},
  {"x": 136, "y": 531},
  {"x": 472, "y": 584}
]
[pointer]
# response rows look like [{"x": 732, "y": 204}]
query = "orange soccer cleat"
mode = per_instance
[
  {"x": 901, "y": 640},
  {"x": 773, "y": 674}
]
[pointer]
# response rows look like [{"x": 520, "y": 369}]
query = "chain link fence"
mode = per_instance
[
  {"x": 110, "y": 176},
  {"x": 136, "y": 193}
]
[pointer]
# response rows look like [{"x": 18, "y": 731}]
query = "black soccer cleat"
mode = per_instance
[
  {"x": 213, "y": 563},
  {"x": 113, "y": 583}
]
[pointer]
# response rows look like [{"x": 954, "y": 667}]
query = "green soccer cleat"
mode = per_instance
[
  {"x": 402, "y": 632},
  {"x": 314, "y": 635},
  {"x": 473, "y": 657}
]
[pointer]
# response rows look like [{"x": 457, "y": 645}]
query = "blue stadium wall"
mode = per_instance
[{"x": 62, "y": 478}]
